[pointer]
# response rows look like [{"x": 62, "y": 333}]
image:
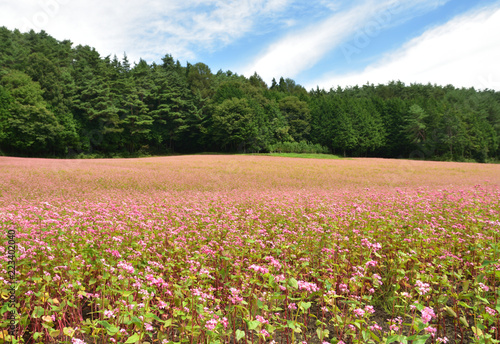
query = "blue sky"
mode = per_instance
[{"x": 315, "y": 42}]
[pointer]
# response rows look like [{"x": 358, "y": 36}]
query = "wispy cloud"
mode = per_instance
[
  {"x": 146, "y": 29},
  {"x": 302, "y": 49},
  {"x": 464, "y": 52}
]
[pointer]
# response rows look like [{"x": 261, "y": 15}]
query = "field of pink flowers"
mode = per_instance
[{"x": 247, "y": 249}]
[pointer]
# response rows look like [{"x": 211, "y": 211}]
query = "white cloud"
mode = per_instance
[
  {"x": 146, "y": 29},
  {"x": 464, "y": 52},
  {"x": 301, "y": 50}
]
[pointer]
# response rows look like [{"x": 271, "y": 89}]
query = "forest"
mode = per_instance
[{"x": 60, "y": 100}]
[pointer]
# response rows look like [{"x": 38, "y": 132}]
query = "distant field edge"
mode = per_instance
[{"x": 298, "y": 155}]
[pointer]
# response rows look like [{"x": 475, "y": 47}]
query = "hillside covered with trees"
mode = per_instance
[{"x": 57, "y": 100}]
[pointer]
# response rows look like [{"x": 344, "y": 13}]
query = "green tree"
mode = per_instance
[
  {"x": 234, "y": 124},
  {"x": 414, "y": 124},
  {"x": 30, "y": 128},
  {"x": 173, "y": 104},
  {"x": 298, "y": 116},
  {"x": 6, "y": 101}
]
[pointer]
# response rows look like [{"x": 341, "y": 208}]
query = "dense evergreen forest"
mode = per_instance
[{"x": 57, "y": 100}]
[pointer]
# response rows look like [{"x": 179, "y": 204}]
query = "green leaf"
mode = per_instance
[
  {"x": 483, "y": 299},
  {"x": 450, "y": 312},
  {"x": 465, "y": 286},
  {"x": 239, "y": 334},
  {"x": 421, "y": 339},
  {"x": 152, "y": 316},
  {"x": 259, "y": 303},
  {"x": 110, "y": 328},
  {"x": 37, "y": 312},
  {"x": 486, "y": 263},
  {"x": 252, "y": 325},
  {"x": 321, "y": 333},
  {"x": 304, "y": 305},
  {"x": 133, "y": 339},
  {"x": 68, "y": 331},
  {"x": 463, "y": 304},
  {"x": 37, "y": 335},
  {"x": 375, "y": 337},
  {"x": 476, "y": 331},
  {"x": 366, "y": 335},
  {"x": 136, "y": 320},
  {"x": 292, "y": 282},
  {"x": 395, "y": 338},
  {"x": 54, "y": 333}
]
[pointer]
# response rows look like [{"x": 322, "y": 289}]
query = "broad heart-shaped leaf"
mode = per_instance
[
  {"x": 136, "y": 320},
  {"x": 111, "y": 329},
  {"x": 37, "y": 312},
  {"x": 239, "y": 334},
  {"x": 416, "y": 339},
  {"x": 477, "y": 331},
  {"x": 54, "y": 333},
  {"x": 421, "y": 339},
  {"x": 322, "y": 334},
  {"x": 68, "y": 331},
  {"x": 152, "y": 316},
  {"x": 252, "y": 325},
  {"x": 167, "y": 322},
  {"x": 396, "y": 338},
  {"x": 304, "y": 305},
  {"x": 292, "y": 282},
  {"x": 259, "y": 303},
  {"x": 133, "y": 339}
]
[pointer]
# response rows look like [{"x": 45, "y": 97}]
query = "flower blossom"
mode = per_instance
[
  {"x": 211, "y": 324},
  {"x": 423, "y": 288},
  {"x": 311, "y": 287},
  {"x": 427, "y": 314}
]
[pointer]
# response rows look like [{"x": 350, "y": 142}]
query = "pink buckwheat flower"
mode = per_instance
[
  {"x": 423, "y": 288},
  {"x": 225, "y": 322},
  {"x": 369, "y": 309},
  {"x": 109, "y": 314},
  {"x": 484, "y": 287},
  {"x": 359, "y": 312},
  {"x": 261, "y": 320},
  {"x": 490, "y": 311},
  {"x": 211, "y": 324},
  {"x": 431, "y": 330},
  {"x": 77, "y": 341},
  {"x": 427, "y": 314}
]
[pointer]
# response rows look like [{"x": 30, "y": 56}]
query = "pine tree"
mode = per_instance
[{"x": 30, "y": 127}]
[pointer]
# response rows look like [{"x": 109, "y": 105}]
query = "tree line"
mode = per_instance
[{"x": 62, "y": 101}]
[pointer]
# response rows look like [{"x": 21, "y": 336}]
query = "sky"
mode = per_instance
[{"x": 317, "y": 43}]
